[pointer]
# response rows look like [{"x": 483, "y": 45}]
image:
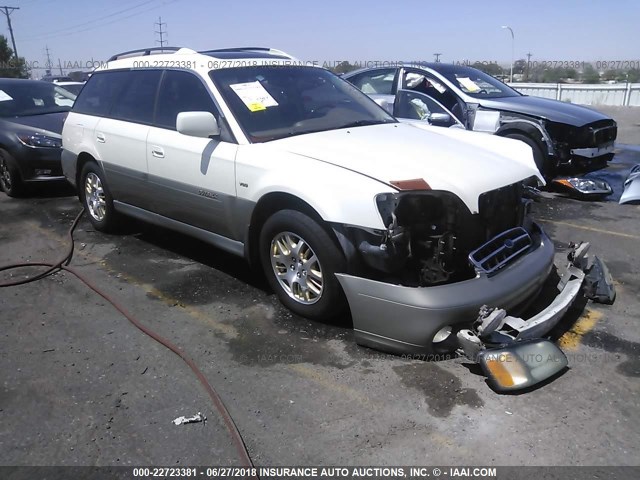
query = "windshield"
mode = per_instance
[
  {"x": 272, "y": 102},
  {"x": 478, "y": 84},
  {"x": 19, "y": 99}
]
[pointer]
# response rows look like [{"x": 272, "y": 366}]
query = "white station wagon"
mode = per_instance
[{"x": 409, "y": 229}]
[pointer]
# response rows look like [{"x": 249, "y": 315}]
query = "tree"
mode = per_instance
[
  {"x": 10, "y": 66},
  {"x": 520, "y": 66},
  {"x": 633, "y": 75},
  {"x": 590, "y": 74},
  {"x": 489, "y": 68},
  {"x": 343, "y": 67}
]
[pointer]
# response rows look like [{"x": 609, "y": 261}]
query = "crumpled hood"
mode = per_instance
[
  {"x": 465, "y": 163},
  {"x": 553, "y": 110}
]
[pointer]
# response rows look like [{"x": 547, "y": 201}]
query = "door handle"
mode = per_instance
[
  {"x": 157, "y": 152},
  {"x": 100, "y": 137}
]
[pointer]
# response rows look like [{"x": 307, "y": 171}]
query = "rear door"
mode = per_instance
[
  {"x": 121, "y": 136},
  {"x": 192, "y": 179}
]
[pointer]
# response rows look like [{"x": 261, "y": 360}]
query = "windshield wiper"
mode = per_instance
[{"x": 362, "y": 123}]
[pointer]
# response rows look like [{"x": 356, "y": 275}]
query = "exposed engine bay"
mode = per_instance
[{"x": 431, "y": 234}]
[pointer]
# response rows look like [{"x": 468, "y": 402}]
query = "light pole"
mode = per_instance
[{"x": 513, "y": 40}]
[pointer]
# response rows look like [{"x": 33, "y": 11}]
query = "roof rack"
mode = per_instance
[
  {"x": 247, "y": 49},
  {"x": 144, "y": 52}
]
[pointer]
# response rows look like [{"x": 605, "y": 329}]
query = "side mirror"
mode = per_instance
[
  {"x": 440, "y": 119},
  {"x": 197, "y": 124}
]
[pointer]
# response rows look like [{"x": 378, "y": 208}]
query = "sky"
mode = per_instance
[{"x": 81, "y": 32}]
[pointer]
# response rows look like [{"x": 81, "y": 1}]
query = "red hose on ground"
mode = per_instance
[{"x": 215, "y": 398}]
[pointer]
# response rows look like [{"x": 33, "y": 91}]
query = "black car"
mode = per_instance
[
  {"x": 31, "y": 117},
  {"x": 560, "y": 134}
]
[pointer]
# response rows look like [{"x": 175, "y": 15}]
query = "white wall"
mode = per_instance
[{"x": 619, "y": 94}]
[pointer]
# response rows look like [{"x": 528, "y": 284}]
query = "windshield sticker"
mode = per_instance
[
  {"x": 4, "y": 96},
  {"x": 468, "y": 84},
  {"x": 254, "y": 96}
]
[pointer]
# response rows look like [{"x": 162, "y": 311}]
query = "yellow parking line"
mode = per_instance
[
  {"x": 572, "y": 338},
  {"x": 591, "y": 229}
]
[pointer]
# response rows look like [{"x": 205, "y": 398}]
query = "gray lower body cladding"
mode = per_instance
[{"x": 404, "y": 320}]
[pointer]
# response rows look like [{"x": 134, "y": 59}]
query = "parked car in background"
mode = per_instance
[
  {"x": 559, "y": 133},
  {"x": 56, "y": 78},
  {"x": 73, "y": 87},
  {"x": 32, "y": 113}
]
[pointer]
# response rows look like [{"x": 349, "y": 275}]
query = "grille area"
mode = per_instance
[
  {"x": 500, "y": 250},
  {"x": 500, "y": 210},
  {"x": 604, "y": 134}
]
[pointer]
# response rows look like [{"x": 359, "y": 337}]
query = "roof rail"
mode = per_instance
[
  {"x": 144, "y": 51},
  {"x": 247, "y": 49}
]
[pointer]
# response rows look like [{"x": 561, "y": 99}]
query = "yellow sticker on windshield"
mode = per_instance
[
  {"x": 256, "y": 107},
  {"x": 468, "y": 84}
]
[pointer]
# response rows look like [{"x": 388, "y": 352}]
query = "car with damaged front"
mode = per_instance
[
  {"x": 410, "y": 230},
  {"x": 560, "y": 134}
]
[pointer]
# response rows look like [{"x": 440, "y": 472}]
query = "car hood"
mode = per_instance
[
  {"x": 455, "y": 160},
  {"x": 552, "y": 110},
  {"x": 48, "y": 122}
]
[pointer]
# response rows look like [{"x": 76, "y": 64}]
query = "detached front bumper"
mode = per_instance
[
  {"x": 414, "y": 320},
  {"x": 405, "y": 320}
]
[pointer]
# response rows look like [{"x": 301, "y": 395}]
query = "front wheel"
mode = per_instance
[
  {"x": 539, "y": 156},
  {"x": 10, "y": 179},
  {"x": 96, "y": 198},
  {"x": 300, "y": 261}
]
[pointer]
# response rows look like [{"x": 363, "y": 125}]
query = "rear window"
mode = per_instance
[{"x": 99, "y": 93}]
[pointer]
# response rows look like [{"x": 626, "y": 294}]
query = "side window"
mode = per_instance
[
  {"x": 424, "y": 83},
  {"x": 377, "y": 81},
  {"x": 181, "y": 92},
  {"x": 137, "y": 100},
  {"x": 100, "y": 91},
  {"x": 418, "y": 106}
]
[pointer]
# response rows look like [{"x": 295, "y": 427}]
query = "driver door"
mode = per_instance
[{"x": 423, "y": 82}]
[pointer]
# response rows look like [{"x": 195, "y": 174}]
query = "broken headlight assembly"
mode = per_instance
[{"x": 427, "y": 237}]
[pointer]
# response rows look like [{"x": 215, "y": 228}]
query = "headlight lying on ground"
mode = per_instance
[
  {"x": 40, "y": 140},
  {"x": 521, "y": 364},
  {"x": 583, "y": 187}
]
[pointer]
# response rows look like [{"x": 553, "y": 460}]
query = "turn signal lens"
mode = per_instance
[{"x": 412, "y": 184}]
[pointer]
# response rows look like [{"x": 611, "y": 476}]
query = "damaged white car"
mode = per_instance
[{"x": 413, "y": 229}]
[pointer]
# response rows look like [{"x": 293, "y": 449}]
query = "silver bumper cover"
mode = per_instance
[{"x": 405, "y": 320}]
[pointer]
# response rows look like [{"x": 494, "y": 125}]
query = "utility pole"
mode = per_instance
[
  {"x": 161, "y": 32},
  {"x": 437, "y": 55},
  {"x": 529, "y": 55},
  {"x": 48, "y": 65},
  {"x": 8, "y": 11}
]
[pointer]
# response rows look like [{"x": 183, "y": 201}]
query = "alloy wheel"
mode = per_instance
[{"x": 297, "y": 268}]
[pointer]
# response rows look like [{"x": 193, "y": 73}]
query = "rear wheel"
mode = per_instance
[
  {"x": 10, "y": 179},
  {"x": 539, "y": 156},
  {"x": 96, "y": 198},
  {"x": 300, "y": 261}
]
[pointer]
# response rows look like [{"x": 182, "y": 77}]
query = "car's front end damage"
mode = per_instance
[
  {"x": 573, "y": 135},
  {"x": 425, "y": 286}
]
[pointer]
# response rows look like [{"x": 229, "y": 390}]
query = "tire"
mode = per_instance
[
  {"x": 10, "y": 178},
  {"x": 539, "y": 156},
  {"x": 96, "y": 198},
  {"x": 307, "y": 258}
]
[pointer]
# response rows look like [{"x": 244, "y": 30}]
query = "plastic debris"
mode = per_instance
[{"x": 198, "y": 417}]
